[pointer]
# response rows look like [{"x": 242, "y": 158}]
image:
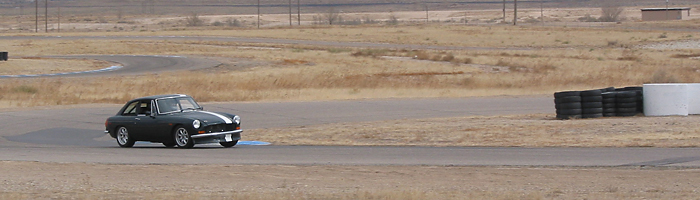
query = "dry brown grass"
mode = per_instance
[
  {"x": 302, "y": 72},
  {"x": 540, "y": 130},
  {"x": 36, "y": 65}
]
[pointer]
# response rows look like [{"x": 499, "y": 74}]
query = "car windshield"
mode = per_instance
[{"x": 177, "y": 104}]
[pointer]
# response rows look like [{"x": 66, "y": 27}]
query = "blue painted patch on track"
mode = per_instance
[
  {"x": 253, "y": 143},
  {"x": 112, "y": 68}
]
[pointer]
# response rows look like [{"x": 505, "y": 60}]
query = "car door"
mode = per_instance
[{"x": 144, "y": 122}]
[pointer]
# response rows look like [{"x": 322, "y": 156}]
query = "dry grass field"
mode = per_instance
[
  {"x": 540, "y": 61},
  {"x": 538, "y": 130},
  {"x": 556, "y": 58}
]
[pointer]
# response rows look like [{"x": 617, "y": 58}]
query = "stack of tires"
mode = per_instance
[
  {"x": 640, "y": 97},
  {"x": 626, "y": 103},
  {"x": 591, "y": 104},
  {"x": 568, "y": 105},
  {"x": 609, "y": 104},
  {"x": 606, "y": 102}
]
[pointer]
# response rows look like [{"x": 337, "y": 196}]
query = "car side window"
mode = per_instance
[
  {"x": 131, "y": 109},
  {"x": 144, "y": 108}
]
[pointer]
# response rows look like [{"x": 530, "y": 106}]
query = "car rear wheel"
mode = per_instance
[
  {"x": 229, "y": 144},
  {"x": 123, "y": 138},
  {"x": 183, "y": 138}
]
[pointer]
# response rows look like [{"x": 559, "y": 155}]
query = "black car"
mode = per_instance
[{"x": 174, "y": 120}]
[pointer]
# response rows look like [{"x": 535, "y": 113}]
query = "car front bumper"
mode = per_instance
[{"x": 226, "y": 136}]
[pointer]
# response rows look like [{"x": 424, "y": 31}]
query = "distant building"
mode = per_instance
[{"x": 661, "y": 14}]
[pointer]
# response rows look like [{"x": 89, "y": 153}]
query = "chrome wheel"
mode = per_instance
[
  {"x": 182, "y": 138},
  {"x": 123, "y": 138}
]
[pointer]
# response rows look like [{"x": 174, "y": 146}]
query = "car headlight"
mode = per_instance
[
  {"x": 237, "y": 119},
  {"x": 196, "y": 124}
]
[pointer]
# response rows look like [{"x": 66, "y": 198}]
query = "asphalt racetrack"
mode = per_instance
[{"x": 75, "y": 134}]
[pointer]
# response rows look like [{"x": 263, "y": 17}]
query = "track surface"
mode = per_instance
[
  {"x": 50, "y": 136},
  {"x": 75, "y": 134}
]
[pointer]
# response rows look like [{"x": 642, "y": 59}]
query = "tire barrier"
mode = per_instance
[
  {"x": 605, "y": 102},
  {"x": 609, "y": 104},
  {"x": 568, "y": 105},
  {"x": 592, "y": 103},
  {"x": 3, "y": 55},
  {"x": 625, "y": 103}
]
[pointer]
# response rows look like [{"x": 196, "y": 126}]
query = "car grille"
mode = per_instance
[{"x": 219, "y": 128}]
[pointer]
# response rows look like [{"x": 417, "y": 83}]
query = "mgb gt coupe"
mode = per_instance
[{"x": 174, "y": 120}]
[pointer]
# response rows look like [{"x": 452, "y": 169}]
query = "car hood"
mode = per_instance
[{"x": 206, "y": 117}]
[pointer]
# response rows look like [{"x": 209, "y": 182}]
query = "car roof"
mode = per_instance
[{"x": 160, "y": 96}]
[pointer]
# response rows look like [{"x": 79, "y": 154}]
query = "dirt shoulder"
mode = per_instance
[
  {"x": 534, "y": 130},
  {"x": 31, "y": 180}
]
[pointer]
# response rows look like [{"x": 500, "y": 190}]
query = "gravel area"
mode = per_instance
[{"x": 687, "y": 44}]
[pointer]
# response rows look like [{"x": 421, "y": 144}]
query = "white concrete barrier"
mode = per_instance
[
  {"x": 666, "y": 99},
  {"x": 694, "y": 98}
]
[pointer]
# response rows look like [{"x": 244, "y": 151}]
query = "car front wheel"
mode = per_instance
[
  {"x": 229, "y": 144},
  {"x": 183, "y": 138},
  {"x": 123, "y": 138}
]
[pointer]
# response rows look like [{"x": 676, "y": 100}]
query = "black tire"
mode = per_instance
[
  {"x": 609, "y": 100},
  {"x": 229, "y": 144},
  {"x": 626, "y": 94},
  {"x": 569, "y": 99},
  {"x": 591, "y": 93},
  {"x": 626, "y": 100},
  {"x": 569, "y": 116},
  {"x": 182, "y": 137},
  {"x": 609, "y": 105},
  {"x": 592, "y": 99},
  {"x": 607, "y": 114},
  {"x": 566, "y": 106},
  {"x": 591, "y": 111},
  {"x": 591, "y": 105},
  {"x": 608, "y": 94},
  {"x": 566, "y": 94},
  {"x": 608, "y": 89},
  {"x": 569, "y": 112},
  {"x": 636, "y": 88},
  {"x": 587, "y": 116},
  {"x": 124, "y": 139},
  {"x": 626, "y": 105},
  {"x": 609, "y": 110},
  {"x": 625, "y": 110},
  {"x": 626, "y": 114}
]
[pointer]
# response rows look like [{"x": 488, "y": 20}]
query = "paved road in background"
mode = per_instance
[{"x": 261, "y": 41}]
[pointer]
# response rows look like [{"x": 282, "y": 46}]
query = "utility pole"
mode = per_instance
[
  {"x": 298, "y": 13},
  {"x": 666, "y": 9},
  {"x": 542, "y": 12},
  {"x": 258, "y": 14},
  {"x": 59, "y": 18},
  {"x": 515, "y": 12},
  {"x": 290, "y": 12},
  {"x": 36, "y": 16},
  {"x": 504, "y": 11},
  {"x": 46, "y": 16},
  {"x": 427, "y": 18}
]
